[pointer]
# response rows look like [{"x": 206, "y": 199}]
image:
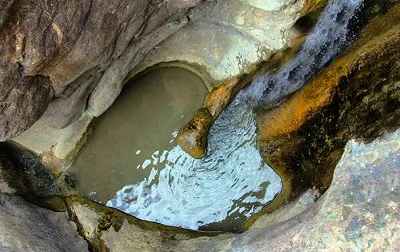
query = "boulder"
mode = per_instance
[
  {"x": 25, "y": 227},
  {"x": 193, "y": 136}
]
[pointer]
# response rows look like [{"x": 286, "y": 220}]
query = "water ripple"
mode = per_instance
[{"x": 186, "y": 192}]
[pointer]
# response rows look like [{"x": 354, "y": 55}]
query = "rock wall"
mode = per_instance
[
  {"x": 27, "y": 227},
  {"x": 70, "y": 51},
  {"x": 227, "y": 38},
  {"x": 357, "y": 96}
]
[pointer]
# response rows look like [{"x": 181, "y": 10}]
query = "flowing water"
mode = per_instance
[
  {"x": 330, "y": 36},
  {"x": 133, "y": 163}
]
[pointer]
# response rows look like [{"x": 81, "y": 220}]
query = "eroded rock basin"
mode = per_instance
[
  {"x": 355, "y": 97},
  {"x": 133, "y": 163}
]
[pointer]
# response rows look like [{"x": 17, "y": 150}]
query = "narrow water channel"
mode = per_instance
[{"x": 132, "y": 162}]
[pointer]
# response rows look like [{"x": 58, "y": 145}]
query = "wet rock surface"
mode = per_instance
[
  {"x": 24, "y": 172},
  {"x": 110, "y": 230},
  {"x": 220, "y": 97},
  {"x": 355, "y": 97},
  {"x": 5, "y": 187}
]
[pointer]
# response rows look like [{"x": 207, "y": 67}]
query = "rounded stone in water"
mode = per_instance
[{"x": 158, "y": 181}]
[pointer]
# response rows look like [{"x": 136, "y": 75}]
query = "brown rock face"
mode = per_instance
[
  {"x": 69, "y": 46},
  {"x": 22, "y": 101}
]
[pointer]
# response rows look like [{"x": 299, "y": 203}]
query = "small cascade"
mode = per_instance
[{"x": 329, "y": 37}]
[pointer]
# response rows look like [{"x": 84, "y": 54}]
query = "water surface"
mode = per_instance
[{"x": 133, "y": 163}]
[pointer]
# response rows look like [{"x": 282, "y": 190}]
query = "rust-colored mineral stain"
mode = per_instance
[{"x": 295, "y": 111}]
